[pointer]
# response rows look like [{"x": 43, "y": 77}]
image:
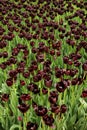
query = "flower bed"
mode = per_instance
[{"x": 43, "y": 65}]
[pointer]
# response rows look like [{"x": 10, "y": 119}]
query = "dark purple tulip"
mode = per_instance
[
  {"x": 26, "y": 74},
  {"x": 77, "y": 63},
  {"x": 12, "y": 73},
  {"x": 55, "y": 108},
  {"x": 3, "y": 44},
  {"x": 67, "y": 72},
  {"x": 70, "y": 62},
  {"x": 15, "y": 51},
  {"x": 3, "y": 65},
  {"x": 5, "y": 97},
  {"x": 37, "y": 77},
  {"x": 47, "y": 63},
  {"x": 63, "y": 108},
  {"x": 33, "y": 88},
  {"x": 40, "y": 57},
  {"x": 34, "y": 50},
  {"x": 34, "y": 105},
  {"x": 44, "y": 91},
  {"x": 48, "y": 119},
  {"x": 40, "y": 110},
  {"x": 32, "y": 43},
  {"x": 84, "y": 94},
  {"x": 23, "y": 107},
  {"x": 47, "y": 69},
  {"x": 12, "y": 60},
  {"x": 5, "y": 54},
  {"x": 73, "y": 72},
  {"x": 9, "y": 82},
  {"x": 58, "y": 53},
  {"x": 53, "y": 97},
  {"x": 32, "y": 126},
  {"x": 26, "y": 52},
  {"x": 58, "y": 72},
  {"x": 74, "y": 81},
  {"x": 25, "y": 97},
  {"x": 84, "y": 66},
  {"x": 52, "y": 52},
  {"x": 62, "y": 85},
  {"x": 20, "y": 70},
  {"x": 22, "y": 82},
  {"x": 66, "y": 59},
  {"x": 48, "y": 83}
]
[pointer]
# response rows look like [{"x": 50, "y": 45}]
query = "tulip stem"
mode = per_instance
[
  {"x": 24, "y": 121},
  {"x": 6, "y": 123},
  {"x": 49, "y": 128},
  {"x": 6, "y": 116},
  {"x": 43, "y": 126}
]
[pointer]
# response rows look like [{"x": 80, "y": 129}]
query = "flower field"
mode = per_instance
[{"x": 43, "y": 64}]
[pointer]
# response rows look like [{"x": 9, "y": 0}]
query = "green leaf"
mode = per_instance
[
  {"x": 73, "y": 119},
  {"x": 82, "y": 101},
  {"x": 81, "y": 122},
  {"x": 13, "y": 127},
  {"x": 13, "y": 102}
]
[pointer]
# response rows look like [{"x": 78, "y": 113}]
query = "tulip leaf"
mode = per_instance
[{"x": 13, "y": 127}]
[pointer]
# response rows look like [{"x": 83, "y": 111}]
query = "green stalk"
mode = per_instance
[
  {"x": 6, "y": 123},
  {"x": 20, "y": 128},
  {"x": 49, "y": 128},
  {"x": 43, "y": 125},
  {"x": 6, "y": 105},
  {"x": 24, "y": 121}
]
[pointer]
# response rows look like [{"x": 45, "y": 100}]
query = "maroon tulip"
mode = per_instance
[
  {"x": 26, "y": 74},
  {"x": 84, "y": 94},
  {"x": 32, "y": 43},
  {"x": 48, "y": 119},
  {"x": 23, "y": 107},
  {"x": 3, "y": 65},
  {"x": 77, "y": 63},
  {"x": 48, "y": 83},
  {"x": 12, "y": 73},
  {"x": 33, "y": 88},
  {"x": 5, "y": 54},
  {"x": 40, "y": 57},
  {"x": 74, "y": 81},
  {"x": 44, "y": 91},
  {"x": 73, "y": 72},
  {"x": 40, "y": 110},
  {"x": 84, "y": 66},
  {"x": 55, "y": 108},
  {"x": 12, "y": 60},
  {"x": 15, "y": 51},
  {"x": 3, "y": 44},
  {"x": 58, "y": 72},
  {"x": 34, "y": 105},
  {"x": 9, "y": 82},
  {"x": 53, "y": 97},
  {"x": 66, "y": 59},
  {"x": 32, "y": 126},
  {"x": 63, "y": 108},
  {"x": 25, "y": 97},
  {"x": 5, "y": 97},
  {"x": 20, "y": 70},
  {"x": 37, "y": 78},
  {"x": 62, "y": 85},
  {"x": 52, "y": 52},
  {"x": 26, "y": 52},
  {"x": 22, "y": 82}
]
